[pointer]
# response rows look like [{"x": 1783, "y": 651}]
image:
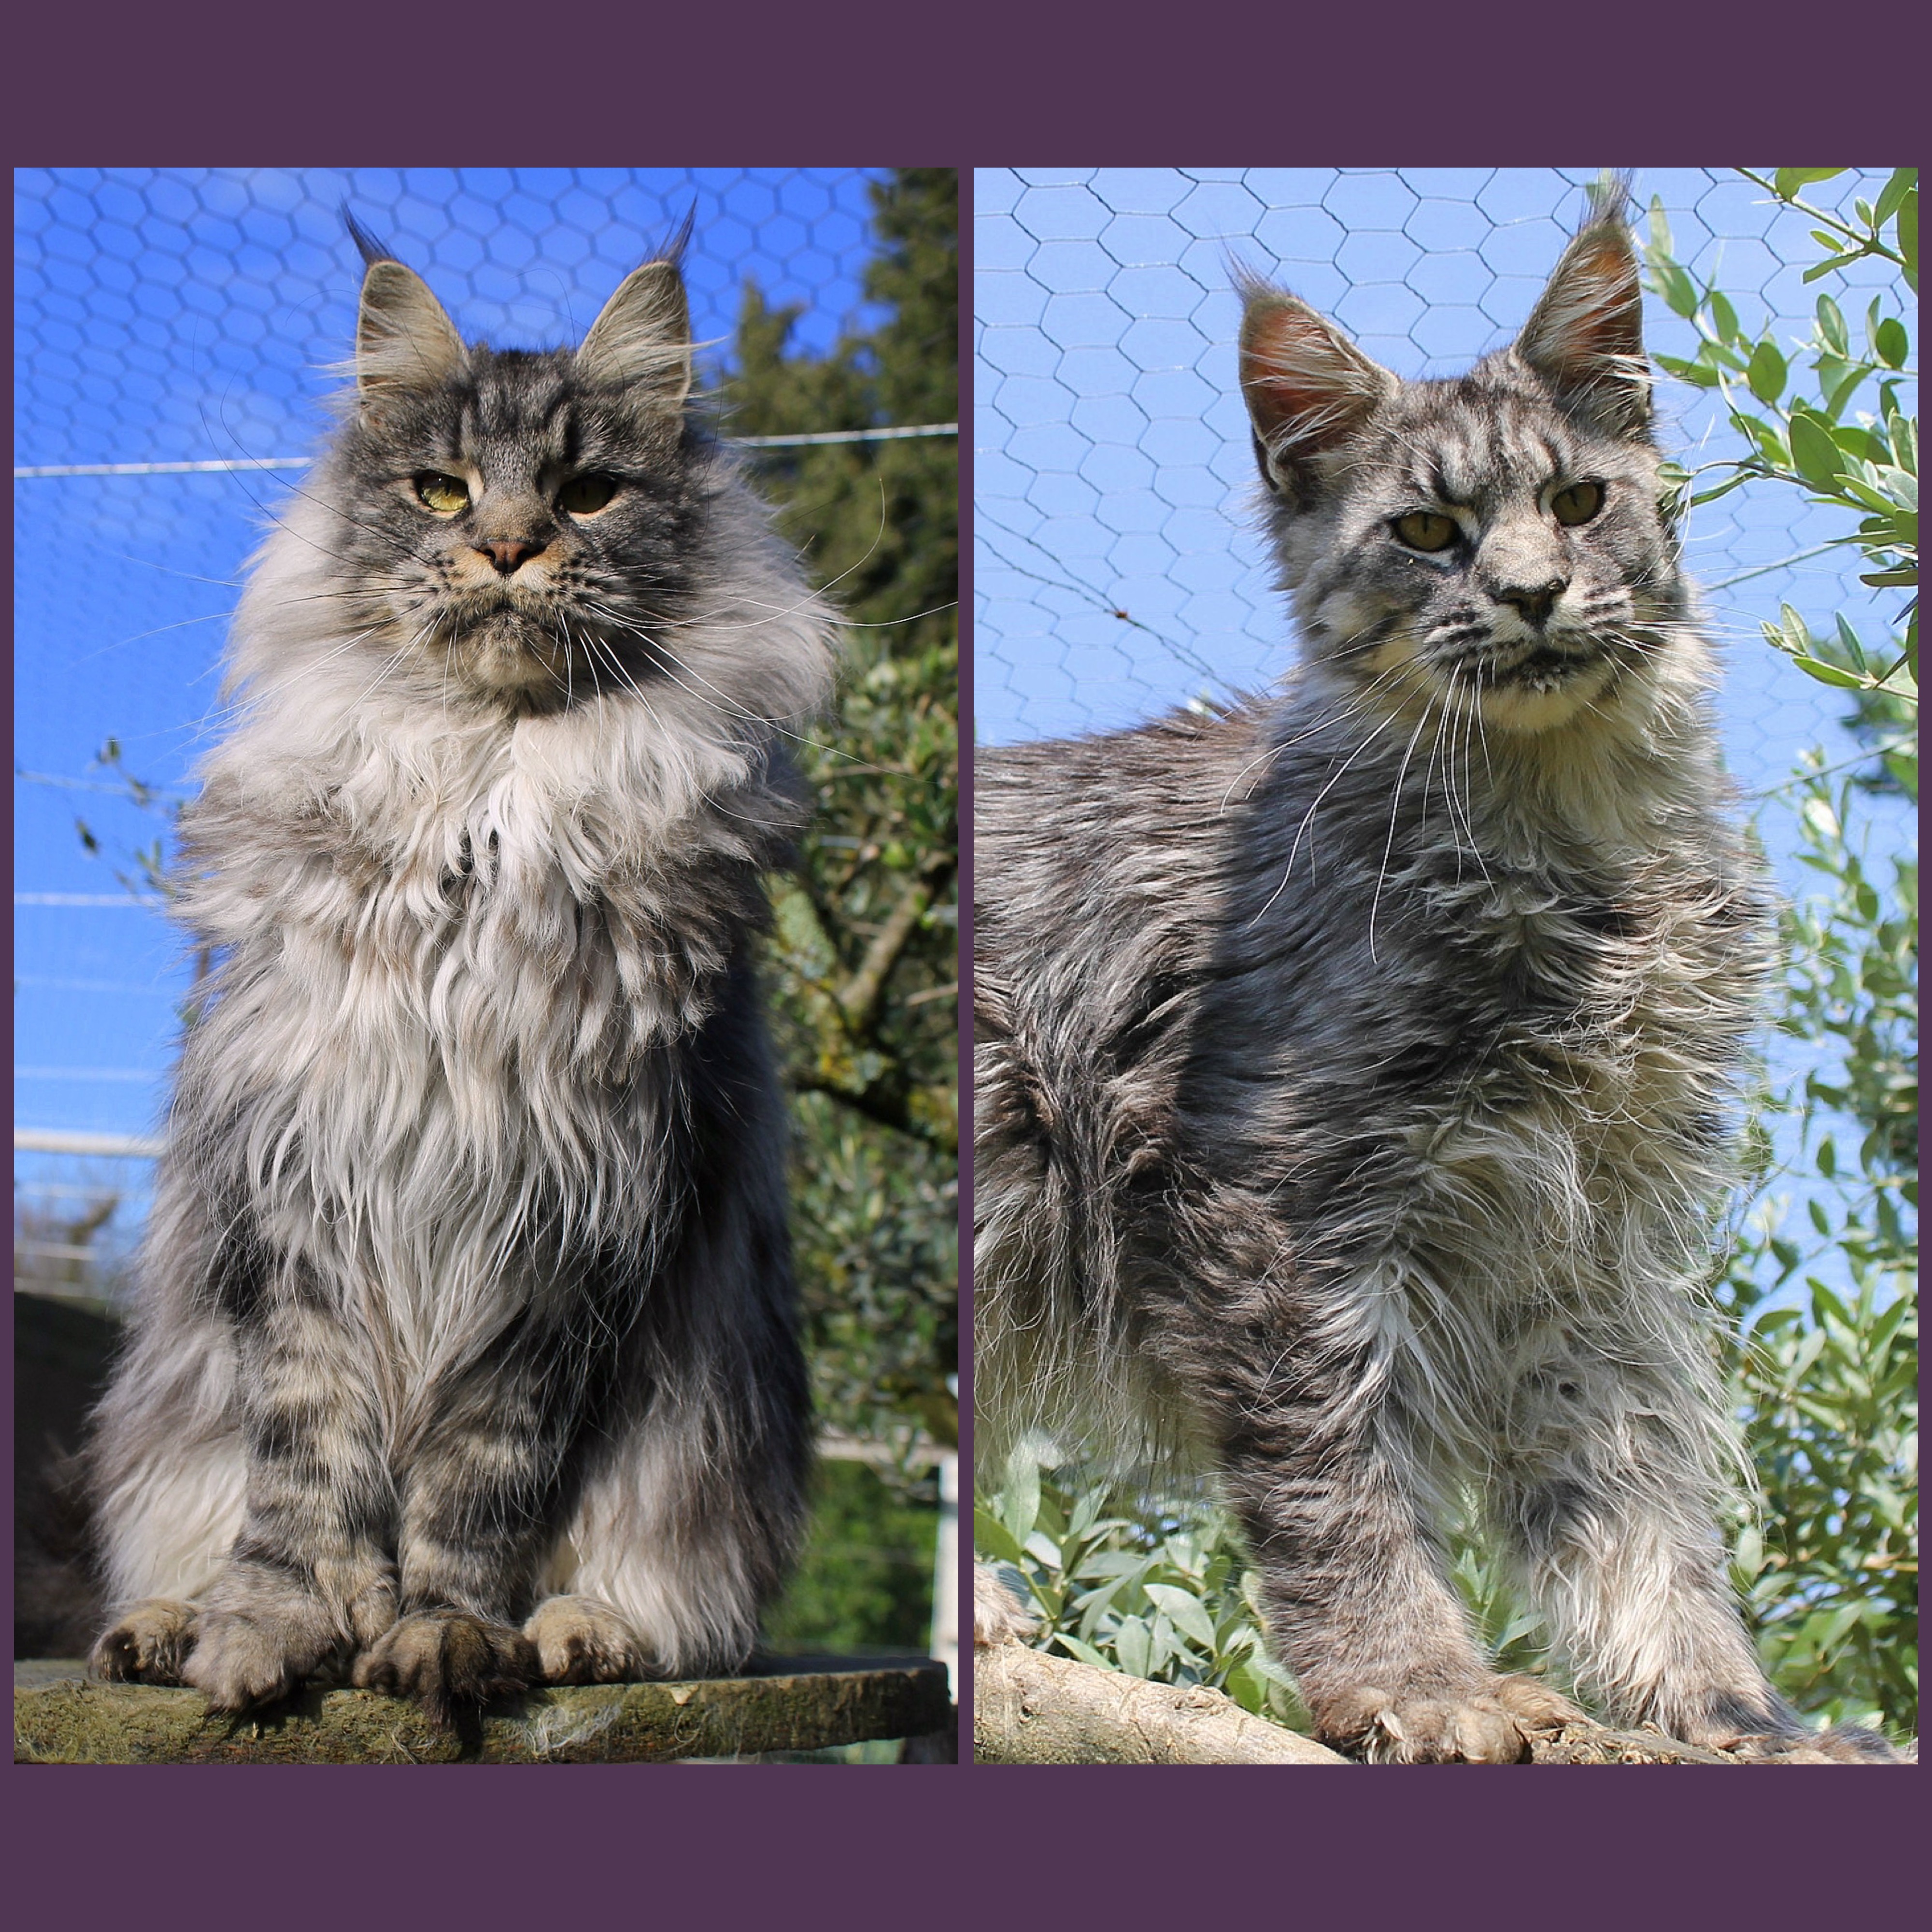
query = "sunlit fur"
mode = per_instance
[
  {"x": 1356, "y": 1071},
  {"x": 467, "y": 1282}
]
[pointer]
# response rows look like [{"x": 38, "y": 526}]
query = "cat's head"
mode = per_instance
[
  {"x": 1492, "y": 544},
  {"x": 523, "y": 524}
]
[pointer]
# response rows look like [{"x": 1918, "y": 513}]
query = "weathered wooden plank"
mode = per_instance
[{"x": 60, "y": 1717}]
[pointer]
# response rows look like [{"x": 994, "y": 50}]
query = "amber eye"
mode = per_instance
[
  {"x": 1426, "y": 530},
  {"x": 444, "y": 494},
  {"x": 1578, "y": 503},
  {"x": 584, "y": 496}
]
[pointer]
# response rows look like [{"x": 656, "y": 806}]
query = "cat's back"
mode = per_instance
[{"x": 1094, "y": 847}]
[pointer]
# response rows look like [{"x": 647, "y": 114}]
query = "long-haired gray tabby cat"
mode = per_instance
[
  {"x": 1353, "y": 1069},
  {"x": 465, "y": 1353}
]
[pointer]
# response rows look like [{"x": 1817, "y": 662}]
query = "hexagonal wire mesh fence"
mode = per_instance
[
  {"x": 177, "y": 332},
  {"x": 1117, "y": 567}
]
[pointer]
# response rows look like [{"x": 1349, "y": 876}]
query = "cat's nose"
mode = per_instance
[
  {"x": 509, "y": 553},
  {"x": 1533, "y": 601}
]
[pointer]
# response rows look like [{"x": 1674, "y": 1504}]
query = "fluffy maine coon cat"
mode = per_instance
[
  {"x": 465, "y": 1353},
  {"x": 1354, "y": 1069}
]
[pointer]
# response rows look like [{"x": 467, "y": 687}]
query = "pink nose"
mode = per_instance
[{"x": 508, "y": 554}]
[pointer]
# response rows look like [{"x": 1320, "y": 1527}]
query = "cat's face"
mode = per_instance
[
  {"x": 523, "y": 521},
  {"x": 1489, "y": 547}
]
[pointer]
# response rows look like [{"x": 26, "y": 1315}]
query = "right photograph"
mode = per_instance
[{"x": 1444, "y": 966}]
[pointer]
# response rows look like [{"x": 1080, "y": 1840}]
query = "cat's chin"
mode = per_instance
[
  {"x": 512, "y": 661},
  {"x": 1533, "y": 706}
]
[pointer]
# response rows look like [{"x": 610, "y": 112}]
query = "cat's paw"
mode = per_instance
[
  {"x": 444, "y": 1658},
  {"x": 1758, "y": 1732},
  {"x": 1843, "y": 1744},
  {"x": 263, "y": 1632},
  {"x": 149, "y": 1645},
  {"x": 579, "y": 1640},
  {"x": 998, "y": 1615},
  {"x": 1493, "y": 1723},
  {"x": 244, "y": 1658}
]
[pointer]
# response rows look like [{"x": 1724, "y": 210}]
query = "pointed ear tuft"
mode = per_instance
[
  {"x": 1308, "y": 387},
  {"x": 1585, "y": 337},
  {"x": 642, "y": 340},
  {"x": 404, "y": 341}
]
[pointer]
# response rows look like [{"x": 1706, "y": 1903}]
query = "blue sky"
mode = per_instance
[
  {"x": 183, "y": 316},
  {"x": 1112, "y": 465}
]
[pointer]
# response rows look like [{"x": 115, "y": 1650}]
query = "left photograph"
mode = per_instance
[{"x": 486, "y": 1119}]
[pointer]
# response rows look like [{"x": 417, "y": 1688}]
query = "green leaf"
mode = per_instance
[
  {"x": 1723, "y": 317},
  {"x": 1019, "y": 1509},
  {"x": 1831, "y": 326},
  {"x": 1085, "y": 1652},
  {"x": 991, "y": 1537},
  {"x": 1789, "y": 181},
  {"x": 1766, "y": 372},
  {"x": 1679, "y": 291},
  {"x": 1818, "y": 816},
  {"x": 1890, "y": 342},
  {"x": 1659, "y": 228},
  {"x": 1814, "y": 451},
  {"x": 1185, "y": 1613},
  {"x": 1133, "y": 1642},
  {"x": 1701, "y": 374},
  {"x": 1044, "y": 1551},
  {"x": 1902, "y": 180},
  {"x": 1828, "y": 673}
]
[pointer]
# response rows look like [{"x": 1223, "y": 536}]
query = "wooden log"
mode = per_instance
[
  {"x": 790, "y": 1704},
  {"x": 1029, "y": 1707}
]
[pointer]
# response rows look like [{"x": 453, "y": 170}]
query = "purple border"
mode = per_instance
[
  {"x": 965, "y": 971},
  {"x": 997, "y": 84}
]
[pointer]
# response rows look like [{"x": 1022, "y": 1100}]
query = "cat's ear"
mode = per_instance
[
  {"x": 642, "y": 341},
  {"x": 1585, "y": 337},
  {"x": 1308, "y": 387},
  {"x": 403, "y": 340}
]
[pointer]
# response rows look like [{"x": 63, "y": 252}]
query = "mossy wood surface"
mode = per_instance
[{"x": 792, "y": 1704}]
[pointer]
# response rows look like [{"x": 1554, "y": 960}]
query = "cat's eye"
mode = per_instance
[
  {"x": 1426, "y": 529},
  {"x": 1578, "y": 504},
  {"x": 584, "y": 496},
  {"x": 444, "y": 494}
]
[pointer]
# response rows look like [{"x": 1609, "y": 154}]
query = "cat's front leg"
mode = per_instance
[
  {"x": 483, "y": 1490},
  {"x": 1607, "y": 1496},
  {"x": 1317, "y": 1464},
  {"x": 308, "y": 1581}
]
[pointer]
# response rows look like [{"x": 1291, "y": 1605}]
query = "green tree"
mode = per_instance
[{"x": 864, "y": 956}]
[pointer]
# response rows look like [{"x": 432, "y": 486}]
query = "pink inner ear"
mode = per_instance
[
  {"x": 1599, "y": 314},
  {"x": 1294, "y": 372}
]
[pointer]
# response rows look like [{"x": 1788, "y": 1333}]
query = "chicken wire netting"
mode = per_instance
[
  {"x": 1118, "y": 571},
  {"x": 1117, "y": 567},
  {"x": 177, "y": 332}
]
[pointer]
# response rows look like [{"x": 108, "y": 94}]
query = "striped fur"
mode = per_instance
[
  {"x": 465, "y": 1353},
  {"x": 1355, "y": 1071}
]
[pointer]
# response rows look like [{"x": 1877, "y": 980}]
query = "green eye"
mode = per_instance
[
  {"x": 1578, "y": 503},
  {"x": 446, "y": 495},
  {"x": 584, "y": 496},
  {"x": 1426, "y": 529}
]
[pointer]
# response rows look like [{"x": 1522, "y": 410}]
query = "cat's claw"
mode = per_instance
[
  {"x": 579, "y": 1640},
  {"x": 1493, "y": 1723},
  {"x": 445, "y": 1658},
  {"x": 149, "y": 1645}
]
